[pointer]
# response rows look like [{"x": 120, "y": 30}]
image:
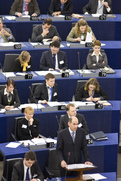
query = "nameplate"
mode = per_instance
[
  {"x": 12, "y": 112},
  {"x": 22, "y": 77},
  {"x": 86, "y": 106},
  {"x": 88, "y": 44},
  {"x": 91, "y": 74},
  {"x": 102, "y": 17},
  {"x": 34, "y": 18},
  {"x": 49, "y": 109},
  {"x": 41, "y": 46},
  {"x": 28, "y": 76},
  {"x": 22, "y": 19}
]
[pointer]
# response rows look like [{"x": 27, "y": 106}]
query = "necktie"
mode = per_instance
[
  {"x": 62, "y": 5},
  {"x": 51, "y": 90},
  {"x": 73, "y": 136},
  {"x": 25, "y": 65},
  {"x": 27, "y": 174},
  {"x": 54, "y": 60},
  {"x": 26, "y": 7},
  {"x": 100, "y": 7}
]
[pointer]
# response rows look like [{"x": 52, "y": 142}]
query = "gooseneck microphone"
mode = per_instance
[
  {"x": 33, "y": 97},
  {"x": 67, "y": 163},
  {"x": 79, "y": 62}
]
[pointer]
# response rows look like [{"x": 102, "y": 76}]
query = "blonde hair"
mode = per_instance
[
  {"x": 28, "y": 109},
  {"x": 23, "y": 57},
  {"x": 81, "y": 22},
  {"x": 92, "y": 81}
]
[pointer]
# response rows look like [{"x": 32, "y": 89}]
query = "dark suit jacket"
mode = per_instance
[
  {"x": 37, "y": 33},
  {"x": 4, "y": 101},
  {"x": 18, "y": 171},
  {"x": 91, "y": 7},
  {"x": 17, "y": 66},
  {"x": 55, "y": 5},
  {"x": 81, "y": 95},
  {"x": 8, "y": 38},
  {"x": 92, "y": 60},
  {"x": 64, "y": 122},
  {"x": 24, "y": 129},
  {"x": 41, "y": 92},
  {"x": 17, "y": 6},
  {"x": 46, "y": 61},
  {"x": 65, "y": 145}
]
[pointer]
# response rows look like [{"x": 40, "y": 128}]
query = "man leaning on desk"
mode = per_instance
[
  {"x": 53, "y": 59},
  {"x": 45, "y": 31},
  {"x": 47, "y": 91},
  {"x": 27, "y": 169},
  {"x": 58, "y": 7},
  {"x": 5, "y": 33},
  {"x": 98, "y": 7},
  {"x": 25, "y": 7}
]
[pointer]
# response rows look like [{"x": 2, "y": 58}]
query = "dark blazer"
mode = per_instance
[
  {"x": 8, "y": 38},
  {"x": 41, "y": 92},
  {"x": 37, "y": 33},
  {"x": 18, "y": 171},
  {"x": 64, "y": 122},
  {"x": 24, "y": 129},
  {"x": 81, "y": 95},
  {"x": 91, "y": 7},
  {"x": 17, "y": 6},
  {"x": 92, "y": 60},
  {"x": 4, "y": 101},
  {"x": 17, "y": 66},
  {"x": 65, "y": 145},
  {"x": 55, "y": 5},
  {"x": 46, "y": 61}
]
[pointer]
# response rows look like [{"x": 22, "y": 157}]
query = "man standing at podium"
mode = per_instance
[{"x": 70, "y": 143}]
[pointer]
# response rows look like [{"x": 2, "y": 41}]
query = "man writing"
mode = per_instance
[
  {"x": 27, "y": 169},
  {"x": 70, "y": 143},
  {"x": 71, "y": 111},
  {"x": 98, "y": 7},
  {"x": 45, "y": 31},
  {"x": 58, "y": 7},
  {"x": 53, "y": 59},
  {"x": 47, "y": 91},
  {"x": 25, "y": 7}
]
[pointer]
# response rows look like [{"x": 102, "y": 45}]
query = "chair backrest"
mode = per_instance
[
  {"x": 2, "y": 87},
  {"x": 33, "y": 87},
  {"x": 79, "y": 84},
  {"x": 9, "y": 62},
  {"x": 14, "y": 133},
  {"x": 8, "y": 168},
  {"x": 52, "y": 163},
  {"x": 34, "y": 25},
  {"x": 73, "y": 24}
]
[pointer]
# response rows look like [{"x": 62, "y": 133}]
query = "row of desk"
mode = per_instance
[
  {"x": 106, "y": 119},
  {"x": 112, "y": 49},
  {"x": 104, "y": 30},
  {"x": 111, "y": 85}
]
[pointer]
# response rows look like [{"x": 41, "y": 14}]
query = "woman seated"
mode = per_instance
[
  {"x": 96, "y": 58},
  {"x": 91, "y": 91},
  {"x": 9, "y": 96},
  {"x": 23, "y": 62},
  {"x": 79, "y": 32}
]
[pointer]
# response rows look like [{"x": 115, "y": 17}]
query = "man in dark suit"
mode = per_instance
[
  {"x": 5, "y": 34},
  {"x": 98, "y": 7},
  {"x": 27, "y": 169},
  {"x": 58, "y": 7},
  {"x": 28, "y": 127},
  {"x": 47, "y": 91},
  {"x": 71, "y": 111},
  {"x": 70, "y": 143},
  {"x": 25, "y": 7},
  {"x": 53, "y": 59},
  {"x": 45, "y": 31}
]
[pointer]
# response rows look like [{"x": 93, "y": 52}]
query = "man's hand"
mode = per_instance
[
  {"x": 34, "y": 179},
  {"x": 88, "y": 163},
  {"x": 19, "y": 14},
  {"x": 57, "y": 13},
  {"x": 55, "y": 38},
  {"x": 34, "y": 14},
  {"x": 3, "y": 32},
  {"x": 78, "y": 39},
  {"x": 44, "y": 102},
  {"x": 63, "y": 164},
  {"x": 9, "y": 107},
  {"x": 106, "y": 4},
  {"x": 45, "y": 32}
]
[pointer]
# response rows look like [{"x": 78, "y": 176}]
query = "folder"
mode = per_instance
[{"x": 99, "y": 135}]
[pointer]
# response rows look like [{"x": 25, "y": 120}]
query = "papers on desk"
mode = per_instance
[
  {"x": 78, "y": 166},
  {"x": 41, "y": 141},
  {"x": 9, "y": 44},
  {"x": 97, "y": 176},
  {"x": 13, "y": 145},
  {"x": 33, "y": 44},
  {"x": 26, "y": 142},
  {"x": 46, "y": 72},
  {"x": 79, "y": 103},
  {"x": 105, "y": 103},
  {"x": 10, "y": 17},
  {"x": 33, "y": 105},
  {"x": 9, "y": 74},
  {"x": 54, "y": 103},
  {"x": 2, "y": 111},
  {"x": 96, "y": 15}
]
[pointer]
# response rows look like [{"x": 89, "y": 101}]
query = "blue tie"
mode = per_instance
[
  {"x": 54, "y": 60},
  {"x": 51, "y": 89},
  {"x": 62, "y": 7},
  {"x": 27, "y": 174}
]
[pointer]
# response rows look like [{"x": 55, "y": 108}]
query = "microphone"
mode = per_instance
[
  {"x": 57, "y": 119},
  {"x": 79, "y": 61},
  {"x": 33, "y": 97},
  {"x": 49, "y": 144},
  {"x": 67, "y": 163}
]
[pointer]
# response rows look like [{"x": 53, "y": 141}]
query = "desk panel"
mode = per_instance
[{"x": 102, "y": 153}]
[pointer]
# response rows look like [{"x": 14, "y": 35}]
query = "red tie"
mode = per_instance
[{"x": 26, "y": 7}]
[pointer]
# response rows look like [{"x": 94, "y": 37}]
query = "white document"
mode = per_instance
[
  {"x": 54, "y": 103},
  {"x": 89, "y": 37},
  {"x": 38, "y": 141},
  {"x": 97, "y": 176},
  {"x": 33, "y": 105},
  {"x": 103, "y": 44},
  {"x": 12, "y": 145},
  {"x": 9, "y": 74},
  {"x": 33, "y": 44},
  {"x": 9, "y": 44},
  {"x": 96, "y": 15},
  {"x": 2, "y": 111},
  {"x": 78, "y": 166},
  {"x": 79, "y": 103},
  {"x": 26, "y": 142},
  {"x": 46, "y": 72},
  {"x": 10, "y": 17},
  {"x": 48, "y": 140}
]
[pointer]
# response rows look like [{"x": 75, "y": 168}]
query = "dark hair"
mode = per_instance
[
  {"x": 97, "y": 43},
  {"x": 47, "y": 21},
  {"x": 30, "y": 155},
  {"x": 9, "y": 82},
  {"x": 55, "y": 44},
  {"x": 1, "y": 20},
  {"x": 68, "y": 106},
  {"x": 49, "y": 76}
]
